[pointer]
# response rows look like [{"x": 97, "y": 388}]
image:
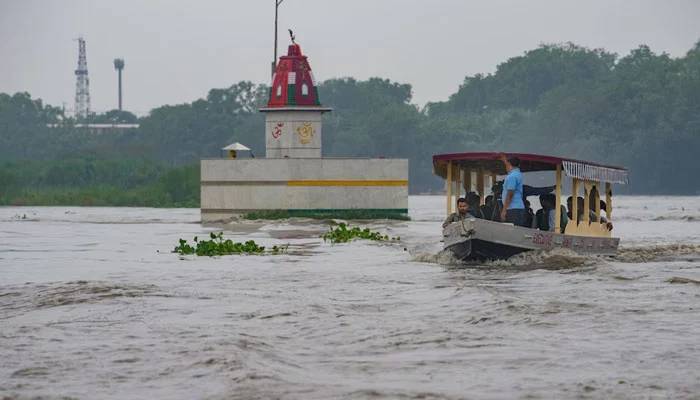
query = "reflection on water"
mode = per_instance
[{"x": 94, "y": 305}]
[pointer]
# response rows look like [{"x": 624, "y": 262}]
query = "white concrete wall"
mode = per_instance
[
  {"x": 262, "y": 169},
  {"x": 242, "y": 185},
  {"x": 283, "y": 197},
  {"x": 293, "y": 134}
]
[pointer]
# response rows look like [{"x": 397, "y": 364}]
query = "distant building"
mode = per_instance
[{"x": 97, "y": 128}]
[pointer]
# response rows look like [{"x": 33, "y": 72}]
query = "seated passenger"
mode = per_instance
[
  {"x": 569, "y": 205},
  {"x": 529, "y": 214},
  {"x": 603, "y": 219},
  {"x": 579, "y": 208},
  {"x": 591, "y": 212},
  {"x": 591, "y": 205},
  {"x": 473, "y": 200},
  {"x": 542, "y": 215},
  {"x": 579, "y": 205},
  {"x": 492, "y": 209},
  {"x": 487, "y": 208},
  {"x": 460, "y": 215},
  {"x": 592, "y": 217},
  {"x": 545, "y": 217}
]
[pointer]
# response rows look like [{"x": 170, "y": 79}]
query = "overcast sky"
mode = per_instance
[{"x": 176, "y": 50}]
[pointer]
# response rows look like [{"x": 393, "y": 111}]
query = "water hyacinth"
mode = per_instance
[
  {"x": 343, "y": 234},
  {"x": 217, "y": 246}
]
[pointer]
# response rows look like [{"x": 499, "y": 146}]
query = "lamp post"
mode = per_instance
[
  {"x": 274, "y": 59},
  {"x": 119, "y": 66}
]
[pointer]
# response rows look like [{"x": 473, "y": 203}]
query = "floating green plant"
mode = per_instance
[
  {"x": 343, "y": 234},
  {"x": 217, "y": 246}
]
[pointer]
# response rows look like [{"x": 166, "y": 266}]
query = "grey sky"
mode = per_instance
[{"x": 176, "y": 50}]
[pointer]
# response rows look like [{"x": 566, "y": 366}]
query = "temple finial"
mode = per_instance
[{"x": 291, "y": 35}]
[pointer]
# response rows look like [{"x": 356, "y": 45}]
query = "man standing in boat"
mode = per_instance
[{"x": 513, "y": 206}]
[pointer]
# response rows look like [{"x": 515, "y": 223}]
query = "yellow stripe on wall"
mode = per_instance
[{"x": 348, "y": 183}]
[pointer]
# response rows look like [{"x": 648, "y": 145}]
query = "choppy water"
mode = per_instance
[{"x": 93, "y": 305}]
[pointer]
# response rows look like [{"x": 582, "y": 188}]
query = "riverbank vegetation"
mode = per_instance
[
  {"x": 640, "y": 110},
  {"x": 98, "y": 182}
]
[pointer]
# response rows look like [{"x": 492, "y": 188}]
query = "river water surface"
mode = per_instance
[{"x": 93, "y": 305}]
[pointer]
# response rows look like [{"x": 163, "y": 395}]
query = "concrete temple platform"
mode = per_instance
[
  {"x": 303, "y": 186},
  {"x": 294, "y": 179}
]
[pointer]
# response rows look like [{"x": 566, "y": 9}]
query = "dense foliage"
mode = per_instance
[
  {"x": 99, "y": 182},
  {"x": 641, "y": 110}
]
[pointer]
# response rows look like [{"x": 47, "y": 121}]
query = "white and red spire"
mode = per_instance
[{"x": 293, "y": 83}]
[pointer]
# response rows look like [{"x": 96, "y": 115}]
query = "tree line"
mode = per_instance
[{"x": 641, "y": 110}]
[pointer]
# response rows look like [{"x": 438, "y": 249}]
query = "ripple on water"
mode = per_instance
[
  {"x": 19, "y": 299},
  {"x": 643, "y": 254},
  {"x": 568, "y": 259},
  {"x": 538, "y": 259}
]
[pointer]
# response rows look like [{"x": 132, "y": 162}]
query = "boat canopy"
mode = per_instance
[{"x": 490, "y": 163}]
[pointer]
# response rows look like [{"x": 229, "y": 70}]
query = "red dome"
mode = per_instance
[{"x": 293, "y": 83}]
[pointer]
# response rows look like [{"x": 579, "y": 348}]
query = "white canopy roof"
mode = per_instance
[{"x": 235, "y": 146}]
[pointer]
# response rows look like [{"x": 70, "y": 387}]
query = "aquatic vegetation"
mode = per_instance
[
  {"x": 343, "y": 234},
  {"x": 217, "y": 246}
]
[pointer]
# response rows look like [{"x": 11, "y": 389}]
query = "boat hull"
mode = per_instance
[{"x": 478, "y": 239}]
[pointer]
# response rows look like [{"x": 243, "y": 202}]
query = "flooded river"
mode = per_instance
[{"x": 93, "y": 305}]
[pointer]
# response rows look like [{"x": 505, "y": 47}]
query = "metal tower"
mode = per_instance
[
  {"x": 82, "y": 83},
  {"x": 119, "y": 66}
]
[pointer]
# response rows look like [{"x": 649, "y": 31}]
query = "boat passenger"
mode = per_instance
[
  {"x": 608, "y": 224},
  {"x": 488, "y": 207},
  {"x": 546, "y": 216},
  {"x": 513, "y": 206},
  {"x": 460, "y": 215},
  {"x": 591, "y": 212},
  {"x": 529, "y": 215},
  {"x": 579, "y": 208},
  {"x": 473, "y": 200},
  {"x": 493, "y": 211},
  {"x": 591, "y": 205}
]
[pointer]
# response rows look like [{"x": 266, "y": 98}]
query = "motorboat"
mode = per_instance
[{"x": 474, "y": 238}]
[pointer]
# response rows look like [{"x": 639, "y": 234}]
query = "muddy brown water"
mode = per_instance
[{"x": 94, "y": 306}]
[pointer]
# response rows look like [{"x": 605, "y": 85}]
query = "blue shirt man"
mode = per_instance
[
  {"x": 514, "y": 182},
  {"x": 513, "y": 205}
]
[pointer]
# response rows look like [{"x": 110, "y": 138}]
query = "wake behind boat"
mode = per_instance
[{"x": 473, "y": 238}]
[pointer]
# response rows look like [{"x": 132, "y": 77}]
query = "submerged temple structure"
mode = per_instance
[{"x": 294, "y": 178}]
